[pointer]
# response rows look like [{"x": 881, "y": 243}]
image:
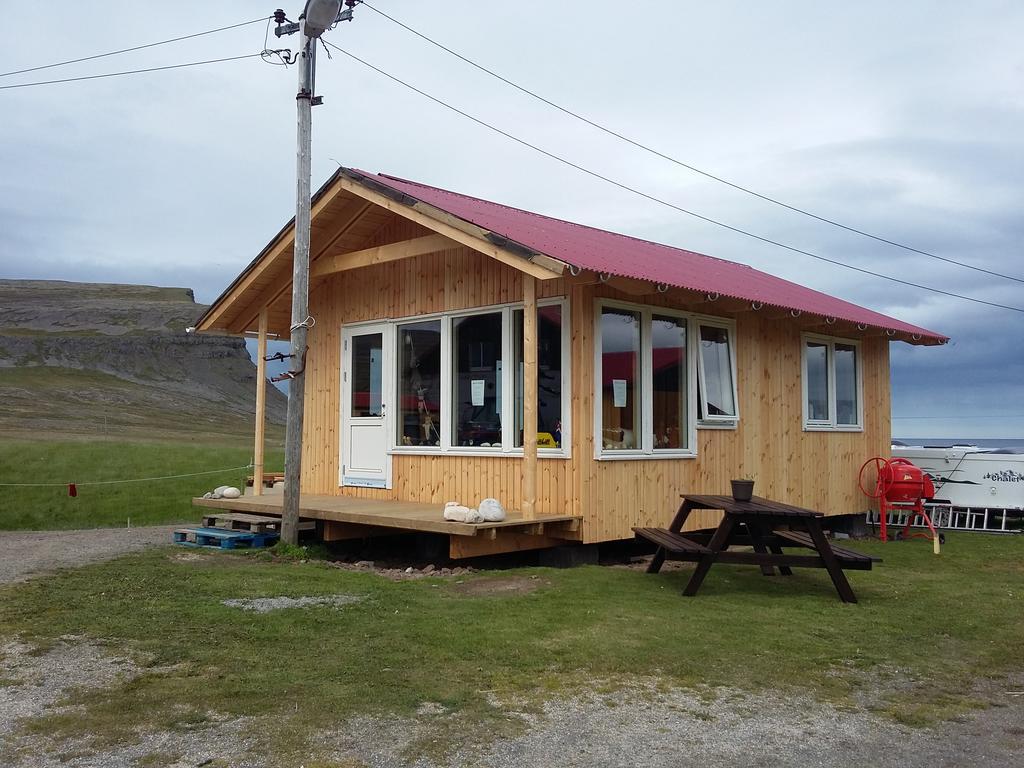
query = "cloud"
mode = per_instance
[{"x": 906, "y": 121}]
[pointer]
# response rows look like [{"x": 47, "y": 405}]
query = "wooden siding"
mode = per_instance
[
  {"x": 452, "y": 279},
  {"x": 814, "y": 469}
]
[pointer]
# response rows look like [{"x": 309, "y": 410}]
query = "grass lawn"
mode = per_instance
[
  {"x": 83, "y": 461},
  {"x": 926, "y": 628}
]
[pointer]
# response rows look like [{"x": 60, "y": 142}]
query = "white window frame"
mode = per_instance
[
  {"x": 646, "y": 450},
  {"x": 396, "y": 380},
  {"x": 507, "y": 383},
  {"x": 715, "y": 422},
  {"x": 831, "y": 424}
]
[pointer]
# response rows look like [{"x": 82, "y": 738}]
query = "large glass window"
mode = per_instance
[
  {"x": 549, "y": 376},
  {"x": 460, "y": 381},
  {"x": 477, "y": 380},
  {"x": 847, "y": 406},
  {"x": 646, "y": 400},
  {"x": 816, "y": 357},
  {"x": 620, "y": 379},
  {"x": 419, "y": 384},
  {"x": 668, "y": 382},
  {"x": 717, "y": 401},
  {"x": 831, "y": 384}
]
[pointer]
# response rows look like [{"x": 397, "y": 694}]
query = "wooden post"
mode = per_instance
[
  {"x": 529, "y": 396},
  {"x": 301, "y": 322},
  {"x": 261, "y": 404}
]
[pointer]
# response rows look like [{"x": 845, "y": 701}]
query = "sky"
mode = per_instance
[{"x": 905, "y": 120}]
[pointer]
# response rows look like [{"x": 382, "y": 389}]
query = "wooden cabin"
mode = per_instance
[{"x": 464, "y": 349}]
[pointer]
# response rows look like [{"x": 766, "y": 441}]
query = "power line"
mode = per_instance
[
  {"x": 659, "y": 200},
  {"x": 130, "y": 72},
  {"x": 680, "y": 163},
  {"x": 134, "y": 48}
]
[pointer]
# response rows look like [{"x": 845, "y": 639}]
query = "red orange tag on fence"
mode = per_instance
[{"x": 72, "y": 490}]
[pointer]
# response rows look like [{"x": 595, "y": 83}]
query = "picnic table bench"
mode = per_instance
[{"x": 767, "y": 527}]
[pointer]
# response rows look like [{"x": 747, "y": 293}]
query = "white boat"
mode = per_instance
[{"x": 976, "y": 488}]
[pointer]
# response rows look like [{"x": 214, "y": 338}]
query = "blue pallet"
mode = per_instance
[{"x": 224, "y": 539}]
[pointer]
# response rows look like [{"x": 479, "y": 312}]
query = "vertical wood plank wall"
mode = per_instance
[
  {"x": 813, "y": 469},
  {"x": 455, "y": 279}
]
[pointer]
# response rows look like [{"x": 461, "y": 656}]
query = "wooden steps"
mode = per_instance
[{"x": 243, "y": 521}]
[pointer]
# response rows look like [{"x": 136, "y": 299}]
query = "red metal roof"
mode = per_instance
[{"x": 602, "y": 251}]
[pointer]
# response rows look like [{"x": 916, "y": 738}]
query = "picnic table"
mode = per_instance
[{"x": 766, "y": 526}]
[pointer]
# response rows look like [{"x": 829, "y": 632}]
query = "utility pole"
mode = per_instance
[{"x": 317, "y": 17}]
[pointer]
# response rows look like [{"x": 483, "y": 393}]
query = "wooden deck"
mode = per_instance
[{"x": 402, "y": 515}]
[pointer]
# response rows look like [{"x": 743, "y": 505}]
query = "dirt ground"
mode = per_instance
[
  {"x": 639, "y": 723},
  {"x": 27, "y": 553}
]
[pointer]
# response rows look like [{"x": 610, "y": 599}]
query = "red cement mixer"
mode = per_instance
[{"x": 900, "y": 486}]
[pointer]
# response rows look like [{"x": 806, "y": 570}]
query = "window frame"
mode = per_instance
[
  {"x": 716, "y": 422},
  {"x": 646, "y": 451},
  {"x": 396, "y": 390},
  {"x": 449, "y": 369},
  {"x": 831, "y": 424},
  {"x": 507, "y": 412}
]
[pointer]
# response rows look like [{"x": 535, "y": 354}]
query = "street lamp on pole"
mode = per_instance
[{"x": 317, "y": 17}]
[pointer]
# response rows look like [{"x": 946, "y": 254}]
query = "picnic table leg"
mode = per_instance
[
  {"x": 832, "y": 565},
  {"x": 785, "y": 570},
  {"x": 755, "y": 531},
  {"x": 718, "y": 542},
  {"x": 677, "y": 525}
]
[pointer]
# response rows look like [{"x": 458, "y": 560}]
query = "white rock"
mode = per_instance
[
  {"x": 219, "y": 490},
  {"x": 459, "y": 514},
  {"x": 231, "y": 493},
  {"x": 492, "y": 511}
]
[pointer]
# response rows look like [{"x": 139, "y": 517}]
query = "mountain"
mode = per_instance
[{"x": 105, "y": 359}]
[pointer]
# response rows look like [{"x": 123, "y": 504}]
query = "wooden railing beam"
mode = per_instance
[
  {"x": 529, "y": 397},
  {"x": 380, "y": 254},
  {"x": 261, "y": 404}
]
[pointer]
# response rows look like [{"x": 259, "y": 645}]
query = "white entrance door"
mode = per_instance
[{"x": 365, "y": 418}]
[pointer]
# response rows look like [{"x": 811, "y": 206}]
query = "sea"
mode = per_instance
[{"x": 981, "y": 442}]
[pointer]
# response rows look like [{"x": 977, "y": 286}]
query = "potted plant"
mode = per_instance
[{"x": 742, "y": 490}]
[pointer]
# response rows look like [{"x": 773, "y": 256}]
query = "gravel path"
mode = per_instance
[
  {"x": 29, "y": 553},
  {"x": 644, "y": 724}
]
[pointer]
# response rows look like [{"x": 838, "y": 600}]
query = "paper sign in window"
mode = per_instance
[
  {"x": 477, "y": 390},
  {"x": 619, "y": 393}
]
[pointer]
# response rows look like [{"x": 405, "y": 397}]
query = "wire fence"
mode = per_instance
[{"x": 125, "y": 481}]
